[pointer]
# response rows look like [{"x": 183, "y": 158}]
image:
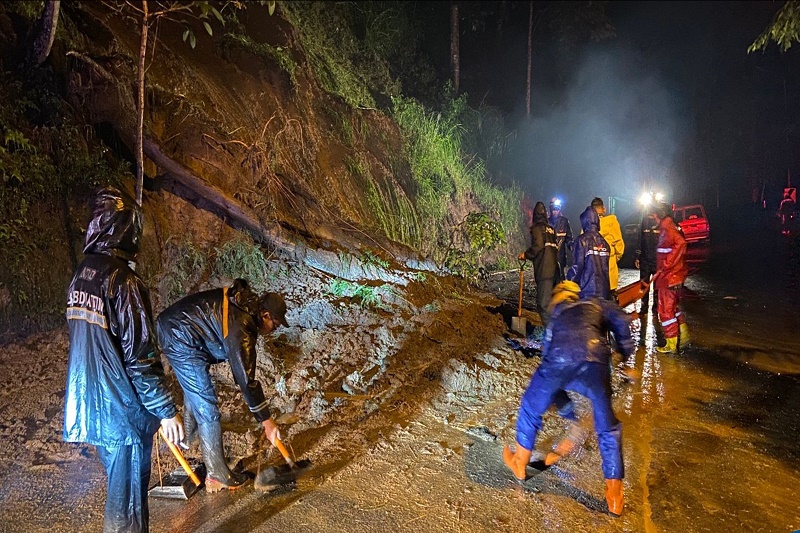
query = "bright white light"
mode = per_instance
[
  {"x": 645, "y": 198},
  {"x": 659, "y": 197}
]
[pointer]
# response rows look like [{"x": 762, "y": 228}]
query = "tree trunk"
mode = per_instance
[
  {"x": 455, "y": 55},
  {"x": 140, "y": 107},
  {"x": 530, "y": 58},
  {"x": 47, "y": 31}
]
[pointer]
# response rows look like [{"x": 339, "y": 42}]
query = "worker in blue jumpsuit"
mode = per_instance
[{"x": 576, "y": 357}]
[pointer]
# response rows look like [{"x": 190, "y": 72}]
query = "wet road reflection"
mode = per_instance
[{"x": 711, "y": 432}]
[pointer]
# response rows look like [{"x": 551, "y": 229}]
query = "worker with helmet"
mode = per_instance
[
  {"x": 577, "y": 357},
  {"x": 563, "y": 231}
]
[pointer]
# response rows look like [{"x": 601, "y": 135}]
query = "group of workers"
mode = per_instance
[
  {"x": 582, "y": 319},
  {"x": 117, "y": 396},
  {"x": 116, "y": 392}
]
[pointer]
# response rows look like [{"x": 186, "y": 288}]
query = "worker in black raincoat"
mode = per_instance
[
  {"x": 564, "y": 238},
  {"x": 543, "y": 253},
  {"x": 209, "y": 328},
  {"x": 646, "y": 255},
  {"x": 576, "y": 357},
  {"x": 116, "y": 395},
  {"x": 590, "y": 258}
]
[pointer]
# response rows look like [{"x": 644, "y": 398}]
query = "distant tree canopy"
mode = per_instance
[{"x": 784, "y": 29}]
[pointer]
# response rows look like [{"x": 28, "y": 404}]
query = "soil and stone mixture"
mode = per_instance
[
  {"x": 403, "y": 410},
  {"x": 347, "y": 375}
]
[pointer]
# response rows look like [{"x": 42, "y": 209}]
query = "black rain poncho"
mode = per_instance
[{"x": 115, "y": 392}]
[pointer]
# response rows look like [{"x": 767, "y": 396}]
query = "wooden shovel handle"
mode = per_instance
[
  {"x": 284, "y": 452},
  {"x": 179, "y": 456},
  {"x": 521, "y": 282}
]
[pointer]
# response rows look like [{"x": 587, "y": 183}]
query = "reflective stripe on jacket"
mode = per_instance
[
  {"x": 670, "y": 255},
  {"x": 194, "y": 327},
  {"x": 590, "y": 259}
]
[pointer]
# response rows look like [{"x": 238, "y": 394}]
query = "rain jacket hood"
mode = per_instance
[
  {"x": 590, "y": 261},
  {"x": 115, "y": 392},
  {"x": 116, "y": 225},
  {"x": 590, "y": 220},
  {"x": 539, "y": 214}
]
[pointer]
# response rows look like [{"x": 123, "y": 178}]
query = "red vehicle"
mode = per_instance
[{"x": 693, "y": 222}]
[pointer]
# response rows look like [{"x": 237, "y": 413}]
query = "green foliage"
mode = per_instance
[
  {"x": 784, "y": 29},
  {"x": 369, "y": 259},
  {"x": 186, "y": 269},
  {"x": 343, "y": 63},
  {"x": 241, "y": 258},
  {"x": 366, "y": 296},
  {"x": 47, "y": 162},
  {"x": 481, "y": 234},
  {"x": 280, "y": 55},
  {"x": 502, "y": 264},
  {"x": 434, "y": 145}
]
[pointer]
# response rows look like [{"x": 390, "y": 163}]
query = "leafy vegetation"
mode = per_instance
[
  {"x": 280, "y": 55},
  {"x": 438, "y": 166},
  {"x": 188, "y": 264},
  {"x": 47, "y": 162},
  {"x": 482, "y": 234},
  {"x": 366, "y": 295},
  {"x": 240, "y": 258},
  {"x": 784, "y": 29}
]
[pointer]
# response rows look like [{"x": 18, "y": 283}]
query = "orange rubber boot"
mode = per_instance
[
  {"x": 561, "y": 449},
  {"x": 517, "y": 461},
  {"x": 614, "y": 497}
]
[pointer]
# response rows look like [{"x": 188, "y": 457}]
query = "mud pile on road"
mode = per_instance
[{"x": 344, "y": 370}]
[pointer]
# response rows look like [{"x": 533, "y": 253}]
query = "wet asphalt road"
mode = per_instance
[
  {"x": 714, "y": 430},
  {"x": 710, "y": 436}
]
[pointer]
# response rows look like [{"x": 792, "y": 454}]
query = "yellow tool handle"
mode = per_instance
[
  {"x": 179, "y": 456},
  {"x": 284, "y": 452},
  {"x": 521, "y": 281}
]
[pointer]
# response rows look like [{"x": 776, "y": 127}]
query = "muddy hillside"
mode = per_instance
[{"x": 264, "y": 158}]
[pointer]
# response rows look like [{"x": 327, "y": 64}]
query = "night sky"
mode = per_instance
[{"x": 673, "y": 102}]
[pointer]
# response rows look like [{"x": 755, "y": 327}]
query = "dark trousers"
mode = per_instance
[
  {"x": 128, "y": 471},
  {"x": 194, "y": 375},
  {"x": 592, "y": 380},
  {"x": 644, "y": 274},
  {"x": 544, "y": 293}
]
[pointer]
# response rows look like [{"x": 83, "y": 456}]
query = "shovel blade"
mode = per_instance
[
  {"x": 177, "y": 485},
  {"x": 519, "y": 324},
  {"x": 276, "y": 477}
]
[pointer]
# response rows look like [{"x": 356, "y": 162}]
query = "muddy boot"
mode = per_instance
[
  {"x": 575, "y": 438},
  {"x": 517, "y": 461},
  {"x": 670, "y": 347},
  {"x": 614, "y": 497},
  {"x": 686, "y": 340},
  {"x": 219, "y": 476}
]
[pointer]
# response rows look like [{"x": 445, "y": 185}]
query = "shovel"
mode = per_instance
[
  {"x": 180, "y": 484},
  {"x": 630, "y": 293},
  {"x": 518, "y": 323},
  {"x": 275, "y": 477}
]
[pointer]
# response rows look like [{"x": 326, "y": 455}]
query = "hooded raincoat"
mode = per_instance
[
  {"x": 612, "y": 233},
  {"x": 543, "y": 252},
  {"x": 671, "y": 263},
  {"x": 115, "y": 392},
  {"x": 590, "y": 258},
  {"x": 576, "y": 357}
]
